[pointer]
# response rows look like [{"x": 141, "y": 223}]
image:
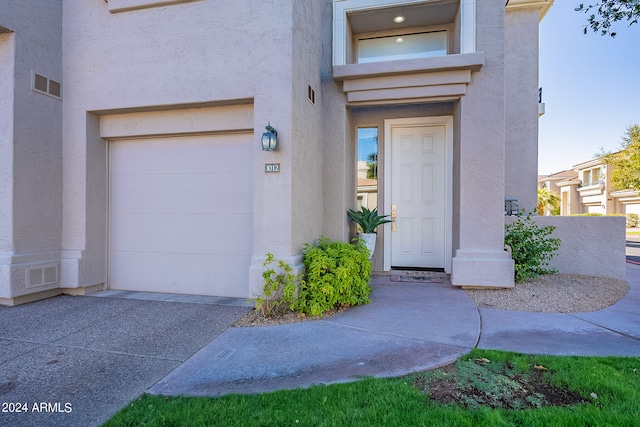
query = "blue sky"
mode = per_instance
[
  {"x": 367, "y": 142},
  {"x": 591, "y": 87}
]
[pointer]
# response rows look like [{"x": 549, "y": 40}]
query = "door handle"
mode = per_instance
[{"x": 393, "y": 218}]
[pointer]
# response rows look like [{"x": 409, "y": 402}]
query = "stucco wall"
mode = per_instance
[
  {"x": 306, "y": 120},
  {"x": 6, "y": 141},
  {"x": 32, "y": 145},
  {"x": 482, "y": 135},
  {"x": 521, "y": 106},
  {"x": 480, "y": 126},
  {"x": 204, "y": 53},
  {"x": 593, "y": 246},
  {"x": 338, "y": 196}
]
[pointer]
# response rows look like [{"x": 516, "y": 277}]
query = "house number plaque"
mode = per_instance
[{"x": 272, "y": 168}]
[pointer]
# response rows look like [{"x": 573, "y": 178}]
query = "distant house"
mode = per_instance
[
  {"x": 131, "y": 154},
  {"x": 367, "y": 188},
  {"x": 587, "y": 189}
]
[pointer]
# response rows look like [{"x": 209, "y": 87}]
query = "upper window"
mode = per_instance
[
  {"x": 385, "y": 30},
  {"x": 402, "y": 46},
  {"x": 591, "y": 177}
]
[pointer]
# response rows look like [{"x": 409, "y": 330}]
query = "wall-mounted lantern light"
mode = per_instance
[{"x": 269, "y": 138}]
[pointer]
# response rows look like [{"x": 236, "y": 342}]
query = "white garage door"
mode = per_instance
[{"x": 181, "y": 214}]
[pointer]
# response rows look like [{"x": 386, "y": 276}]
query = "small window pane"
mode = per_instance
[
  {"x": 408, "y": 46},
  {"x": 367, "y": 167}
]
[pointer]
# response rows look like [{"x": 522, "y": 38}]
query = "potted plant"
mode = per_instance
[{"x": 367, "y": 221}]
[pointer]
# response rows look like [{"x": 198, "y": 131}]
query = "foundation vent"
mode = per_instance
[
  {"x": 46, "y": 86},
  {"x": 42, "y": 276}
]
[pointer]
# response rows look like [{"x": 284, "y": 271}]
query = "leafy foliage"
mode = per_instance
[
  {"x": 547, "y": 199},
  {"x": 337, "y": 274},
  {"x": 531, "y": 247},
  {"x": 280, "y": 286},
  {"x": 474, "y": 383},
  {"x": 372, "y": 166},
  {"x": 607, "y": 12},
  {"x": 366, "y": 219},
  {"x": 626, "y": 162}
]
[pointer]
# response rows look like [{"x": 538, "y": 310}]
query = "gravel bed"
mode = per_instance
[{"x": 557, "y": 293}]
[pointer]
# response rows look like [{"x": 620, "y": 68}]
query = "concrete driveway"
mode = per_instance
[{"x": 75, "y": 361}]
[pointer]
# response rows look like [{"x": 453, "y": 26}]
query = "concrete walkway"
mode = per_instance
[
  {"x": 98, "y": 353},
  {"x": 408, "y": 327}
]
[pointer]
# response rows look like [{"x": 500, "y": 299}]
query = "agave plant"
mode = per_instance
[{"x": 367, "y": 219}]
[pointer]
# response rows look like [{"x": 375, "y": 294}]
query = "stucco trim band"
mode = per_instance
[
  {"x": 463, "y": 61},
  {"x": 444, "y": 78},
  {"x": 542, "y": 5},
  {"x": 176, "y": 122},
  {"x": 446, "y": 92},
  {"x": 116, "y": 6}
]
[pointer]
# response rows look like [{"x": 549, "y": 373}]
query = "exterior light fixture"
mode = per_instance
[
  {"x": 269, "y": 138},
  {"x": 399, "y": 19}
]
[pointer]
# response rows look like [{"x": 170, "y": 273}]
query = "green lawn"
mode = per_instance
[
  {"x": 633, "y": 233},
  {"x": 609, "y": 388}
]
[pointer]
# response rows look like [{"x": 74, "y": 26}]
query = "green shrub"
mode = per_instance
[
  {"x": 632, "y": 220},
  {"x": 280, "y": 286},
  {"x": 337, "y": 274},
  {"x": 531, "y": 247}
]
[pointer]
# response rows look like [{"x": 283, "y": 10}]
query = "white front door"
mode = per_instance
[{"x": 419, "y": 196}]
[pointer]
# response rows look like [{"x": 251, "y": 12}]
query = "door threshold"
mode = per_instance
[
  {"x": 398, "y": 271},
  {"x": 426, "y": 269}
]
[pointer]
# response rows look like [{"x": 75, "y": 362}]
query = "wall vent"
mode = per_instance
[
  {"x": 46, "y": 86},
  {"x": 42, "y": 276}
]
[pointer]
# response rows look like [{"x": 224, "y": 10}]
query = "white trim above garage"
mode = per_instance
[{"x": 222, "y": 119}]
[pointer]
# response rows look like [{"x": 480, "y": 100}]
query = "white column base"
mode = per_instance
[{"x": 482, "y": 269}]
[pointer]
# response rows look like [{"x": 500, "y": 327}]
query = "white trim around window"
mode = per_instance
[{"x": 340, "y": 23}]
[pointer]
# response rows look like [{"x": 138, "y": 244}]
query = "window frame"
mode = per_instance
[
  {"x": 357, "y": 38},
  {"x": 590, "y": 174}
]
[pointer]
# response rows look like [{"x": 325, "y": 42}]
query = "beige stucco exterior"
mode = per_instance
[
  {"x": 588, "y": 189},
  {"x": 590, "y": 246},
  {"x": 155, "y": 68}
]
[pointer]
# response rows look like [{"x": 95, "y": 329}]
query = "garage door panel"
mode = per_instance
[
  {"x": 181, "y": 273},
  {"x": 174, "y": 155},
  {"x": 181, "y": 215},
  {"x": 202, "y": 234},
  {"x": 183, "y": 193}
]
